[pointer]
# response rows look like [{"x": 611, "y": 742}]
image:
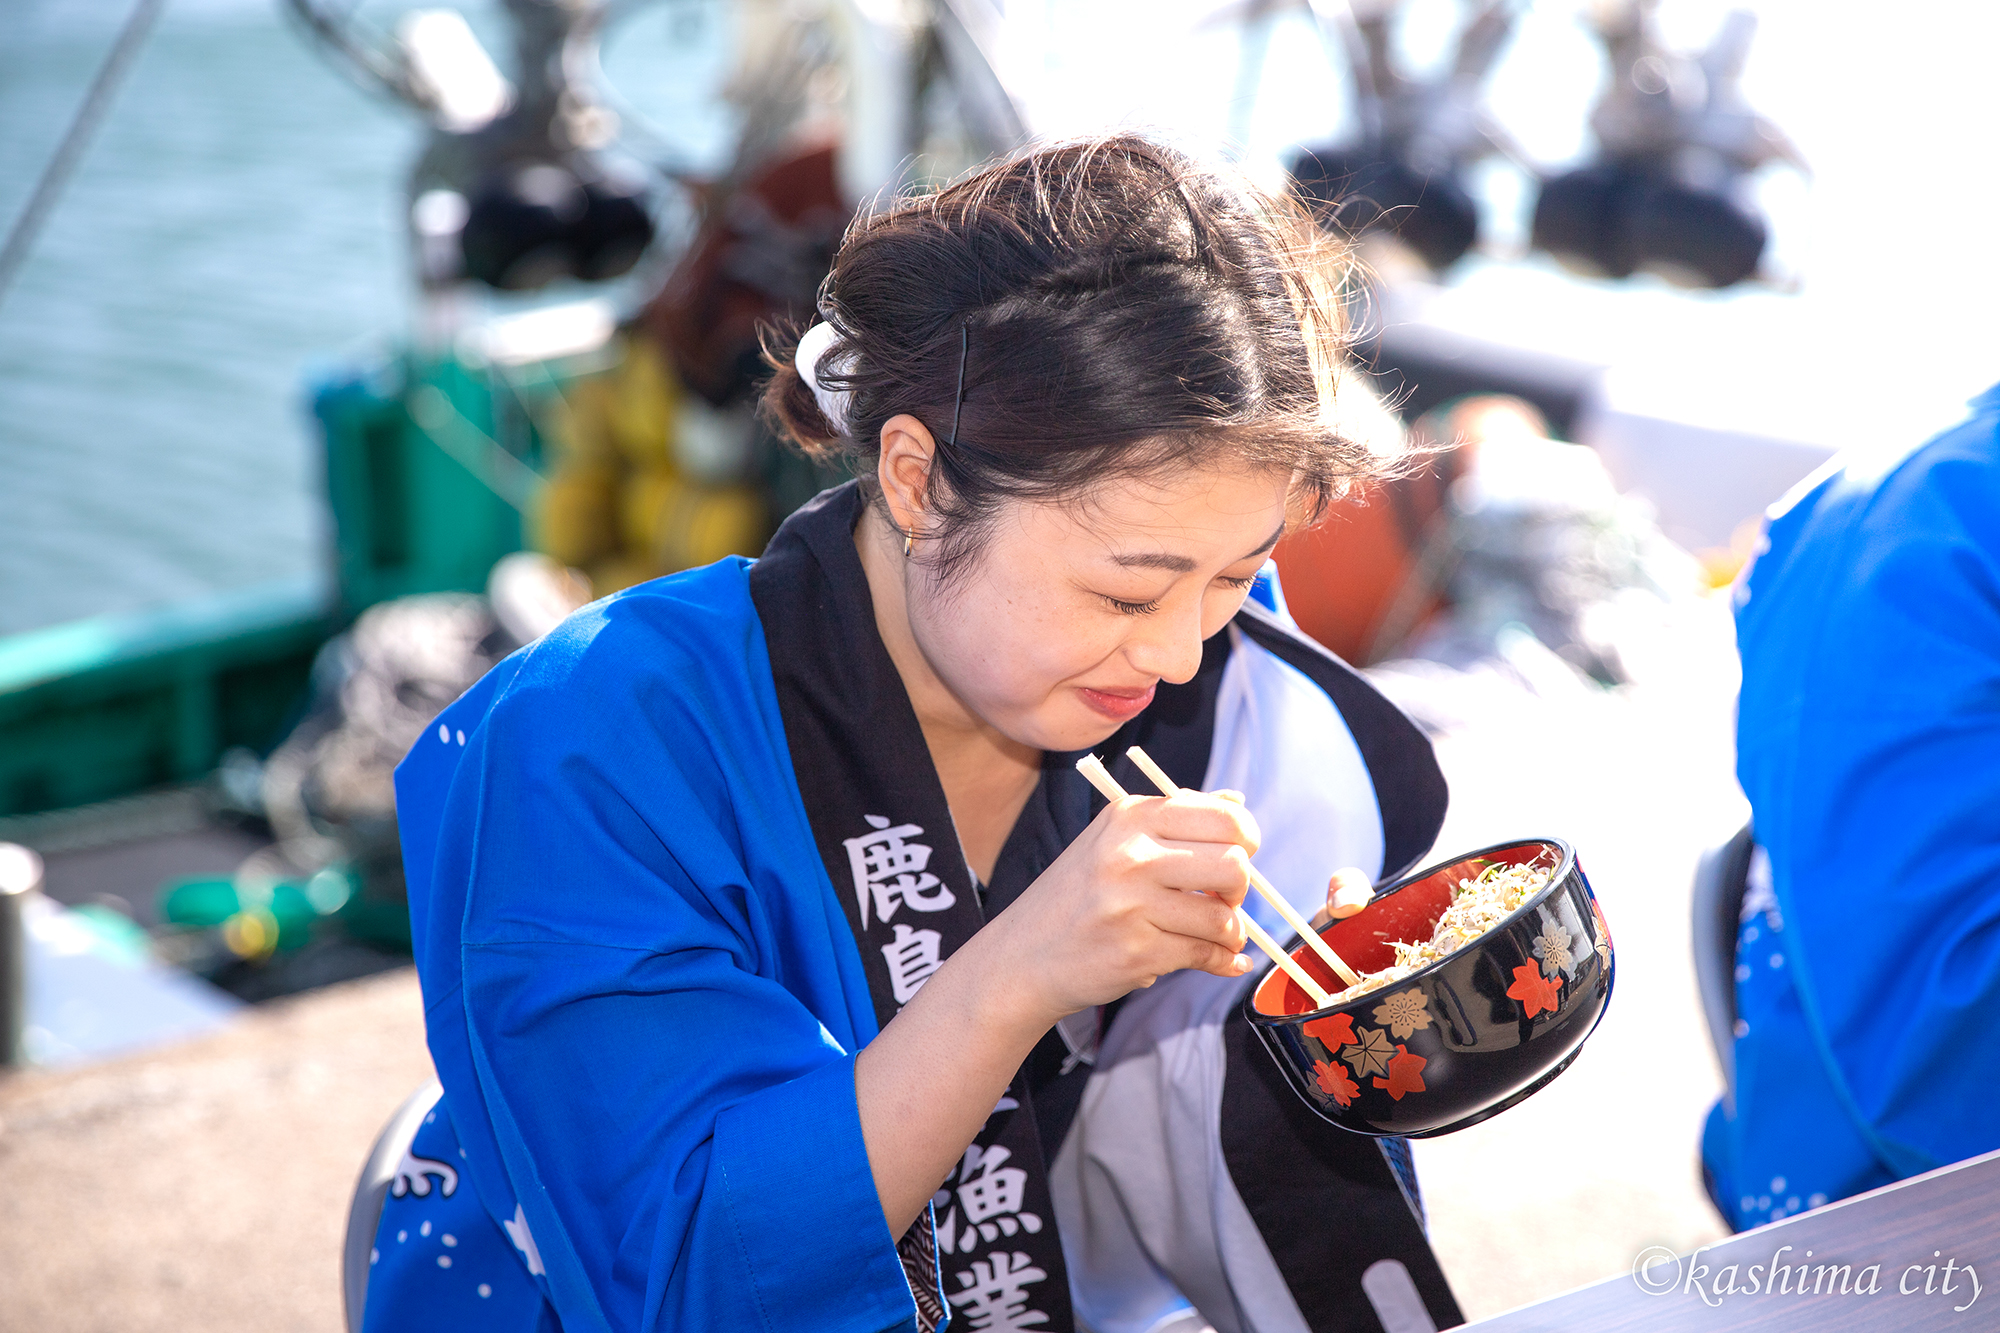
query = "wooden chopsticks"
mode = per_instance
[
  {"x": 1257, "y": 880},
  {"x": 1094, "y": 771}
]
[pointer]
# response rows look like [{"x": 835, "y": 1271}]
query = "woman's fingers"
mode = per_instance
[
  {"x": 1222, "y": 869},
  {"x": 1215, "y": 959},
  {"x": 1151, "y": 889},
  {"x": 1197, "y": 916},
  {"x": 1198, "y": 817}
]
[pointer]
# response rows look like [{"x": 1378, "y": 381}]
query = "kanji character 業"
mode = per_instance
[{"x": 995, "y": 1295}]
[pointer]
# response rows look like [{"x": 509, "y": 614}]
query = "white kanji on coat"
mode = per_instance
[
  {"x": 991, "y": 1195},
  {"x": 995, "y": 1295},
  {"x": 912, "y": 957},
  {"x": 892, "y": 871}
]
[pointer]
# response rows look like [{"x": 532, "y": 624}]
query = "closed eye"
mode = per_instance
[{"x": 1148, "y": 608}]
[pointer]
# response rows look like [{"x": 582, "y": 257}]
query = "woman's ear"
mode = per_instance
[{"x": 904, "y": 472}]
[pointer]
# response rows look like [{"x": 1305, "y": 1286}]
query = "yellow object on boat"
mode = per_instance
[{"x": 615, "y": 503}]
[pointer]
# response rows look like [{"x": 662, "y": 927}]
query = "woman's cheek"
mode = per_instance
[
  {"x": 1219, "y": 608},
  {"x": 1050, "y": 662},
  {"x": 1014, "y": 664}
]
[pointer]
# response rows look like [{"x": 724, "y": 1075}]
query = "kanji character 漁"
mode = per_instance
[{"x": 992, "y": 1195}]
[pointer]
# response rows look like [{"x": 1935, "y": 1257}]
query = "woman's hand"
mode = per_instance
[{"x": 1150, "y": 887}]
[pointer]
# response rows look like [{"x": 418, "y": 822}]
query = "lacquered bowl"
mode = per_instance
[{"x": 1465, "y": 1037}]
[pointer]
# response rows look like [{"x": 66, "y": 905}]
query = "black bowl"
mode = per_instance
[{"x": 1463, "y": 1038}]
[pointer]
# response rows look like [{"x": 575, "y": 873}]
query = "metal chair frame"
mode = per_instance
[
  {"x": 1720, "y": 881},
  {"x": 371, "y": 1191}
]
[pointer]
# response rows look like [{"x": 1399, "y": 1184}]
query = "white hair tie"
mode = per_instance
[{"x": 812, "y": 349}]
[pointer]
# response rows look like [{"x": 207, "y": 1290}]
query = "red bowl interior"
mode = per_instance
[{"x": 1409, "y": 914}]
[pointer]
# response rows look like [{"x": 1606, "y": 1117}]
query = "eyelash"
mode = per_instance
[{"x": 1147, "y": 608}]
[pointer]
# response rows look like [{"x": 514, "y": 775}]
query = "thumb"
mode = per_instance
[{"x": 1348, "y": 892}]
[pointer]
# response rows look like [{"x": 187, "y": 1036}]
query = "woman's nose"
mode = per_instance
[{"x": 1168, "y": 645}]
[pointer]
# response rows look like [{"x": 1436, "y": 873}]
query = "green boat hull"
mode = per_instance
[{"x": 103, "y": 707}]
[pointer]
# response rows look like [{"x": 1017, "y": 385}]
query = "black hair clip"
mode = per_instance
[{"x": 958, "y": 399}]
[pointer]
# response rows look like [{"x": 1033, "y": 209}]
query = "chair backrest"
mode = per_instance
[
  {"x": 364, "y": 1213},
  {"x": 1720, "y": 879}
]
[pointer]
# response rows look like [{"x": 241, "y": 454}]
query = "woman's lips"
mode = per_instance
[{"x": 1119, "y": 705}]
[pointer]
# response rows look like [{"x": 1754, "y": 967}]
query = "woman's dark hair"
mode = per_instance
[{"x": 1120, "y": 309}]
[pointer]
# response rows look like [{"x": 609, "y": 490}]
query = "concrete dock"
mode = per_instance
[{"x": 203, "y": 1186}]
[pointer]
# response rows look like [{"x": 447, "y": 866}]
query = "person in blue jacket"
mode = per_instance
[
  {"x": 1868, "y": 739},
  {"x": 779, "y": 969}
]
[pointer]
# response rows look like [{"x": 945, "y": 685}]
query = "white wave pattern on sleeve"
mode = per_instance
[{"x": 413, "y": 1176}]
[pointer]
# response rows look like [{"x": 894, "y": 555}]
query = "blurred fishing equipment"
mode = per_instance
[
  {"x": 1350, "y": 578},
  {"x": 762, "y": 250},
  {"x": 514, "y": 188},
  {"x": 1677, "y": 144},
  {"x": 526, "y": 226},
  {"x": 1669, "y": 189},
  {"x": 1354, "y": 582},
  {"x": 1504, "y": 534},
  {"x": 1404, "y": 179},
  {"x": 328, "y": 790}
]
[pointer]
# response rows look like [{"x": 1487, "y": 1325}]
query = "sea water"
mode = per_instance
[
  {"x": 234, "y": 231},
  {"x": 235, "y": 218}
]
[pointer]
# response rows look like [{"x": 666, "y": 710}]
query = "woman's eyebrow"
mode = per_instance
[
  {"x": 1175, "y": 564},
  {"x": 1180, "y": 564}
]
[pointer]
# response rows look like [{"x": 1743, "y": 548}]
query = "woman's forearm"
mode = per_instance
[
  {"x": 930, "y": 1079},
  {"x": 1149, "y": 888}
]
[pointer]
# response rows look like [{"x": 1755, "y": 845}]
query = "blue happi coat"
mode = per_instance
[{"x": 1868, "y": 735}]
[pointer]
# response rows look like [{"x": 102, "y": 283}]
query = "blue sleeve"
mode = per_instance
[
  {"x": 637, "y": 996},
  {"x": 1869, "y": 736}
]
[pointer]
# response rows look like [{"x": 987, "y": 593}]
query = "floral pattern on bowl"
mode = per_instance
[{"x": 1462, "y": 1038}]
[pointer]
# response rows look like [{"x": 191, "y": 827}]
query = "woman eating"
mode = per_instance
[{"x": 780, "y": 970}]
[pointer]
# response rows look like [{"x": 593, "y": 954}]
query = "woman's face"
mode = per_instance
[{"x": 1070, "y": 615}]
